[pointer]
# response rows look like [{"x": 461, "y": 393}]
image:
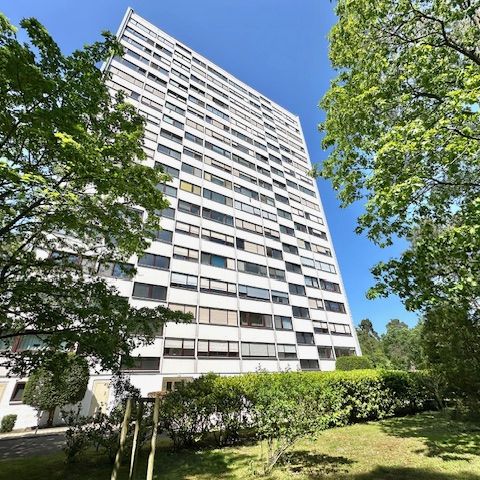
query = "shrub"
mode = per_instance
[
  {"x": 8, "y": 423},
  {"x": 353, "y": 363},
  {"x": 282, "y": 407}
]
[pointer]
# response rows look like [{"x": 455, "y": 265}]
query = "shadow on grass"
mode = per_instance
[
  {"x": 443, "y": 438},
  {"x": 314, "y": 465},
  {"x": 405, "y": 473}
]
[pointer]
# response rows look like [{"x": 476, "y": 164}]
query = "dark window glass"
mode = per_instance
[
  {"x": 295, "y": 289},
  {"x": 151, "y": 292},
  {"x": 155, "y": 261},
  {"x": 305, "y": 338},
  {"x": 259, "y": 320},
  {"x": 300, "y": 312}
]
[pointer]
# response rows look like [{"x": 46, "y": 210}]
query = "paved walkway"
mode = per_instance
[{"x": 27, "y": 444}]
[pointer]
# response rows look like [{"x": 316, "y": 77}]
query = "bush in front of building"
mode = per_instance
[
  {"x": 352, "y": 362},
  {"x": 8, "y": 423},
  {"x": 224, "y": 409}
]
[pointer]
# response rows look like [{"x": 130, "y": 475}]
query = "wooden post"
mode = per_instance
[
  {"x": 136, "y": 434},
  {"x": 151, "y": 457},
  {"x": 123, "y": 438}
]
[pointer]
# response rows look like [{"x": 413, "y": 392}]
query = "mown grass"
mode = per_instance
[{"x": 422, "y": 447}]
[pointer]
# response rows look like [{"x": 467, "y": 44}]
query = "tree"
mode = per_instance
[
  {"x": 402, "y": 125},
  {"x": 452, "y": 344},
  {"x": 61, "y": 381},
  {"x": 402, "y": 345},
  {"x": 371, "y": 345},
  {"x": 74, "y": 178}
]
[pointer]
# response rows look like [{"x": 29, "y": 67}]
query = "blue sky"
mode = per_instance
[{"x": 278, "y": 47}]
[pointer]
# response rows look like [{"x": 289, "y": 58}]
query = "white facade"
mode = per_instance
[{"x": 245, "y": 245}]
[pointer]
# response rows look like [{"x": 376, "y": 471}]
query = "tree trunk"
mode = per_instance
[{"x": 51, "y": 414}]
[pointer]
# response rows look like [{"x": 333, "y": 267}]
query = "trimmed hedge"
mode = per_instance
[
  {"x": 224, "y": 408},
  {"x": 8, "y": 423},
  {"x": 353, "y": 363}
]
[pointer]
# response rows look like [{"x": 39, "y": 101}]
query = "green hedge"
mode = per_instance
[
  {"x": 267, "y": 404},
  {"x": 353, "y": 363}
]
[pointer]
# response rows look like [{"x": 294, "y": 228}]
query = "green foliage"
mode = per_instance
[
  {"x": 61, "y": 381},
  {"x": 353, "y": 363},
  {"x": 102, "y": 430},
  {"x": 8, "y": 423},
  {"x": 280, "y": 408},
  {"x": 451, "y": 339},
  {"x": 371, "y": 344},
  {"x": 71, "y": 167},
  {"x": 402, "y": 128}
]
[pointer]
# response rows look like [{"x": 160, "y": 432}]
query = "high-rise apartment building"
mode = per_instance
[{"x": 245, "y": 246}]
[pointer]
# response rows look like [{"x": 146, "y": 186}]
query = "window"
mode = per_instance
[
  {"x": 274, "y": 253},
  {"x": 283, "y": 214},
  {"x": 216, "y": 348},
  {"x": 184, "y": 281},
  {"x": 329, "y": 286},
  {"x": 300, "y": 312},
  {"x": 245, "y": 207},
  {"x": 315, "y": 303},
  {"x": 250, "y": 247},
  {"x": 177, "y": 307},
  {"x": 261, "y": 350},
  {"x": 173, "y": 172},
  {"x": 217, "y": 180},
  {"x": 317, "y": 233},
  {"x": 17, "y": 395},
  {"x": 269, "y": 216},
  {"x": 141, "y": 363},
  {"x": 287, "y": 351},
  {"x": 266, "y": 199},
  {"x": 311, "y": 281},
  {"x": 217, "y": 216},
  {"x": 171, "y": 136},
  {"x": 182, "y": 253},
  {"x": 344, "y": 351},
  {"x": 186, "y": 167},
  {"x": 320, "y": 327},
  {"x": 218, "y": 164},
  {"x": 281, "y": 198},
  {"x": 154, "y": 261},
  {"x": 246, "y": 191},
  {"x": 116, "y": 270},
  {"x": 293, "y": 267},
  {"x": 218, "y": 261},
  {"x": 217, "y": 316},
  {"x": 245, "y": 291},
  {"x": 307, "y": 262},
  {"x": 325, "y": 267},
  {"x": 193, "y": 153},
  {"x": 334, "y": 306},
  {"x": 150, "y": 292},
  {"x": 283, "y": 323},
  {"x": 172, "y": 121},
  {"x": 290, "y": 248},
  {"x": 217, "y": 237},
  {"x": 340, "y": 329},
  {"x": 253, "y": 268},
  {"x": 216, "y": 286},
  {"x": 249, "y": 226},
  {"x": 308, "y": 364},
  {"x": 321, "y": 250},
  {"x": 271, "y": 233},
  {"x": 177, "y": 347},
  {"x": 169, "y": 151},
  {"x": 296, "y": 289},
  {"x": 276, "y": 273},
  {"x": 305, "y": 338},
  {"x": 167, "y": 190},
  {"x": 279, "y": 297},
  {"x": 190, "y": 187},
  {"x": 300, "y": 227},
  {"x": 325, "y": 353},
  {"x": 217, "y": 197},
  {"x": 164, "y": 236},
  {"x": 259, "y": 320},
  {"x": 188, "y": 207},
  {"x": 166, "y": 212},
  {"x": 287, "y": 230},
  {"x": 187, "y": 229},
  {"x": 217, "y": 149}
]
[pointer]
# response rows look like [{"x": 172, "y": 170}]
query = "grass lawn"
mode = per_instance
[{"x": 427, "y": 446}]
